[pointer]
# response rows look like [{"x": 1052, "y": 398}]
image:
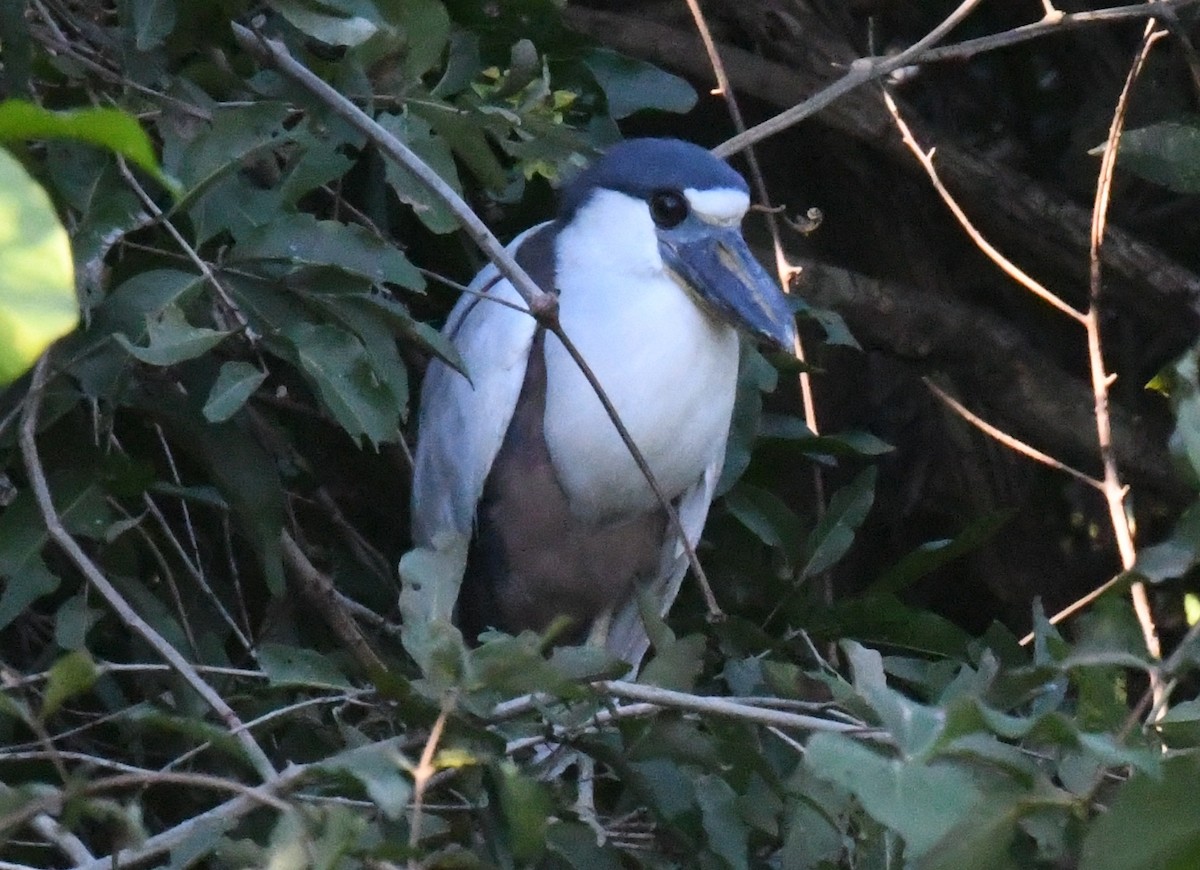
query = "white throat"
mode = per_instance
[{"x": 668, "y": 367}]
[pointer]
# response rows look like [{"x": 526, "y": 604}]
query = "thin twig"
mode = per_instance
[
  {"x": 67, "y": 843},
  {"x": 1007, "y": 440},
  {"x": 63, "y": 538},
  {"x": 784, "y": 269},
  {"x": 1008, "y": 266},
  {"x": 421, "y": 775},
  {"x": 861, "y": 71},
  {"x": 718, "y": 706},
  {"x": 710, "y": 600},
  {"x": 1075, "y": 606},
  {"x": 318, "y": 589},
  {"x": 1114, "y": 491},
  {"x": 869, "y": 69},
  {"x": 222, "y": 815},
  {"x": 1047, "y": 26},
  {"x": 157, "y": 213}
]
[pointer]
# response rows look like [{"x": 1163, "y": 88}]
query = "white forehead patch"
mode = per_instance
[{"x": 723, "y": 205}]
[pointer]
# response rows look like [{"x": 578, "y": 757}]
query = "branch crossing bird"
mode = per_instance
[{"x": 520, "y": 466}]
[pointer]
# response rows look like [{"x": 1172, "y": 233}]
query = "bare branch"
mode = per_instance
[
  {"x": 59, "y": 534},
  {"x": 1008, "y": 266},
  {"x": 1114, "y": 491},
  {"x": 1008, "y": 440}
]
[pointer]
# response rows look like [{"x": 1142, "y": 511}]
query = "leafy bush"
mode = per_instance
[{"x": 203, "y": 493}]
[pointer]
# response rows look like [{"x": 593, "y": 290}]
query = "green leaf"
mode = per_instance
[
  {"x": 234, "y": 386},
  {"x": 325, "y": 22},
  {"x": 108, "y": 128},
  {"x": 755, "y": 376},
  {"x": 723, "y": 827},
  {"x": 203, "y": 156},
  {"x": 934, "y": 554},
  {"x": 915, "y": 727},
  {"x": 37, "y": 295},
  {"x": 765, "y": 514},
  {"x": 301, "y": 239},
  {"x": 295, "y": 666},
  {"x": 850, "y": 443},
  {"x": 834, "y": 534},
  {"x": 433, "y": 149},
  {"x": 26, "y": 577},
  {"x": 980, "y": 842},
  {"x": 676, "y": 665},
  {"x": 920, "y": 802},
  {"x": 172, "y": 339},
  {"x": 1167, "y": 153},
  {"x": 1150, "y": 825},
  {"x": 632, "y": 85},
  {"x": 670, "y": 792},
  {"x": 430, "y": 581},
  {"x": 811, "y": 836},
  {"x": 1176, "y": 555},
  {"x": 426, "y": 26},
  {"x": 339, "y": 368},
  {"x": 576, "y": 845},
  {"x": 72, "y": 622},
  {"x": 72, "y": 674},
  {"x": 153, "y": 21},
  {"x": 378, "y": 768},
  {"x": 526, "y": 807}
]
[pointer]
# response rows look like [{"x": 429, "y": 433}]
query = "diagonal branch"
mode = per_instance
[
  {"x": 59, "y": 534},
  {"x": 1114, "y": 491}
]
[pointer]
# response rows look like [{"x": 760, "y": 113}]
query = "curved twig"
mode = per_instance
[{"x": 59, "y": 534}]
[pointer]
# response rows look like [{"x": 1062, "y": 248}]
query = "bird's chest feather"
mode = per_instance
[{"x": 668, "y": 368}]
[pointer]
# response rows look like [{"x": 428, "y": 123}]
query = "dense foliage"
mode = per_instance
[{"x": 203, "y": 496}]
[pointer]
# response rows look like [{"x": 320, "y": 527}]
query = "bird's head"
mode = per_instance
[{"x": 693, "y": 204}]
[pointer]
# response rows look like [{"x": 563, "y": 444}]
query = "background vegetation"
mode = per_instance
[{"x": 204, "y": 484}]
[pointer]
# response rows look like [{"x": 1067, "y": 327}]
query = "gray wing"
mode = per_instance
[
  {"x": 627, "y": 638},
  {"x": 462, "y": 422}
]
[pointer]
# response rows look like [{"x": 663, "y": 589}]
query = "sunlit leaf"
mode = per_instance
[
  {"x": 107, "y": 128},
  {"x": 37, "y": 295},
  {"x": 72, "y": 674}
]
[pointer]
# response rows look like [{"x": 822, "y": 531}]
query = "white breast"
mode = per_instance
[{"x": 668, "y": 367}]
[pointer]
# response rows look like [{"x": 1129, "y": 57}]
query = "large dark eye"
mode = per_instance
[{"x": 668, "y": 208}]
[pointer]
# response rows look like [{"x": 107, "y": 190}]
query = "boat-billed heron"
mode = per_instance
[{"x": 654, "y": 283}]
